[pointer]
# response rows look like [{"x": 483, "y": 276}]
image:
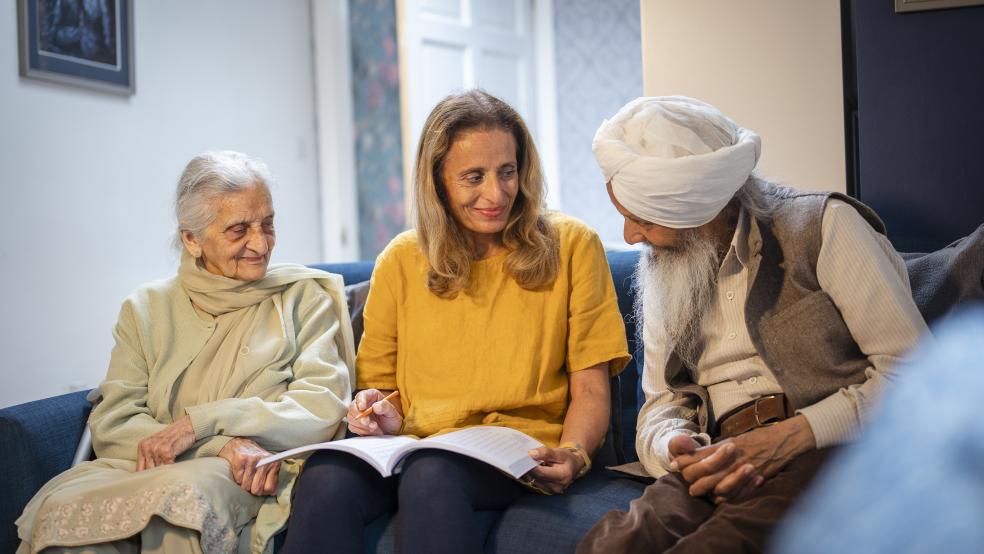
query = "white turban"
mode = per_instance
[{"x": 673, "y": 160}]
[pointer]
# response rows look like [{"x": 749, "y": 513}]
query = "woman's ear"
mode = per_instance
[{"x": 191, "y": 244}]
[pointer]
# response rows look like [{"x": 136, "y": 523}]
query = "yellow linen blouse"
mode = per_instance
[{"x": 495, "y": 354}]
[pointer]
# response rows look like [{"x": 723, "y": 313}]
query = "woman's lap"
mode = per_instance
[
  {"x": 437, "y": 494},
  {"x": 105, "y": 500}
]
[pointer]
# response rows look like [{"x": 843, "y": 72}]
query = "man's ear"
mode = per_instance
[{"x": 191, "y": 244}]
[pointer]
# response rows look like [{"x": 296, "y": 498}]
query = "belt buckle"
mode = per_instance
[{"x": 758, "y": 420}]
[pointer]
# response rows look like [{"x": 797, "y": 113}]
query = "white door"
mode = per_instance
[{"x": 452, "y": 45}]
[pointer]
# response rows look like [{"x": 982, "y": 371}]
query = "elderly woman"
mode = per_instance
[
  {"x": 212, "y": 370},
  {"x": 492, "y": 312}
]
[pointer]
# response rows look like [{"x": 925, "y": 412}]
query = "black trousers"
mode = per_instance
[{"x": 437, "y": 494}]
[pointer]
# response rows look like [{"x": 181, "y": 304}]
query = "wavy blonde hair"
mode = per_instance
[{"x": 534, "y": 248}]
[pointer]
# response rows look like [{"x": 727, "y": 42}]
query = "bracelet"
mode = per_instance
[{"x": 581, "y": 453}]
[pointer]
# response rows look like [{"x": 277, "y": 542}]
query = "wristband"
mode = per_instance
[{"x": 579, "y": 450}]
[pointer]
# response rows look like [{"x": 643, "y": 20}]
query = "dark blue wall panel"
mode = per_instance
[{"x": 920, "y": 122}]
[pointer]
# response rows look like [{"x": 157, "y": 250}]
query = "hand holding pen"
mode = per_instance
[{"x": 372, "y": 412}]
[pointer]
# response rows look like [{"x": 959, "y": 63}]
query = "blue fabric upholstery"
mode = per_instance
[
  {"x": 39, "y": 439},
  {"x": 352, "y": 273}
]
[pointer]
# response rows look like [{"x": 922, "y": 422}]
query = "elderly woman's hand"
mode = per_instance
[
  {"x": 385, "y": 418},
  {"x": 164, "y": 446},
  {"x": 243, "y": 455}
]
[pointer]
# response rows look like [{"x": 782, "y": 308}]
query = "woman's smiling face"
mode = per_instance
[
  {"x": 238, "y": 242},
  {"x": 481, "y": 180}
]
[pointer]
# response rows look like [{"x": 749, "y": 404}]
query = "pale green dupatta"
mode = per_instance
[{"x": 218, "y": 295}]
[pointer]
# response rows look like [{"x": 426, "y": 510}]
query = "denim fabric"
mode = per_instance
[
  {"x": 38, "y": 440},
  {"x": 914, "y": 481}
]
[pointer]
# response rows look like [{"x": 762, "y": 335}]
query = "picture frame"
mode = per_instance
[
  {"x": 902, "y": 6},
  {"x": 86, "y": 44}
]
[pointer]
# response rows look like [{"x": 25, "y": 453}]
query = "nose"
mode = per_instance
[
  {"x": 257, "y": 240},
  {"x": 632, "y": 233},
  {"x": 494, "y": 190}
]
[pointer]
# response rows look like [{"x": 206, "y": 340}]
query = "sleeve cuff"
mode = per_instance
[
  {"x": 201, "y": 422},
  {"x": 212, "y": 446},
  {"x": 663, "y": 445},
  {"x": 834, "y": 420}
]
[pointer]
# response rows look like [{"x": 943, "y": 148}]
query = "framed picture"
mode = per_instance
[
  {"x": 920, "y": 5},
  {"x": 87, "y": 43}
]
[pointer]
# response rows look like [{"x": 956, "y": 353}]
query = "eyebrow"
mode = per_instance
[
  {"x": 245, "y": 222},
  {"x": 230, "y": 226},
  {"x": 471, "y": 170}
]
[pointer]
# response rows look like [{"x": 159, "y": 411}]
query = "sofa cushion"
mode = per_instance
[
  {"x": 950, "y": 276},
  {"x": 356, "y": 295},
  {"x": 39, "y": 440}
]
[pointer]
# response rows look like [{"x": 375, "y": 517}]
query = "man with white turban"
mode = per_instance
[{"x": 771, "y": 317}]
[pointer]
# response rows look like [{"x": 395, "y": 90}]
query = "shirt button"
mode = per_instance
[
  {"x": 244, "y": 350},
  {"x": 730, "y": 295},
  {"x": 731, "y": 336},
  {"x": 753, "y": 380}
]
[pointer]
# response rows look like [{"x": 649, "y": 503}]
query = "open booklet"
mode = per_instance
[{"x": 500, "y": 447}]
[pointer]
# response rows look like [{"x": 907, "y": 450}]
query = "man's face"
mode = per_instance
[{"x": 637, "y": 230}]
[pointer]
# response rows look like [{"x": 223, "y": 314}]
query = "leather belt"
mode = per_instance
[{"x": 766, "y": 410}]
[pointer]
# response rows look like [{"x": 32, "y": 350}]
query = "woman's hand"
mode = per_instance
[
  {"x": 242, "y": 455},
  {"x": 164, "y": 446},
  {"x": 559, "y": 468},
  {"x": 385, "y": 418}
]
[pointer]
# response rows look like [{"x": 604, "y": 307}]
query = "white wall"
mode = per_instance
[
  {"x": 774, "y": 66},
  {"x": 87, "y": 178}
]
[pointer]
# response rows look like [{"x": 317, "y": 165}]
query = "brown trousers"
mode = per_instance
[{"x": 667, "y": 519}]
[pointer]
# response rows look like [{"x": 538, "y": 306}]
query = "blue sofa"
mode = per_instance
[{"x": 39, "y": 441}]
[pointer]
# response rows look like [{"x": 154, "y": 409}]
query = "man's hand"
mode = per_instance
[
  {"x": 710, "y": 466},
  {"x": 728, "y": 469},
  {"x": 559, "y": 468},
  {"x": 242, "y": 455},
  {"x": 164, "y": 446},
  {"x": 385, "y": 418}
]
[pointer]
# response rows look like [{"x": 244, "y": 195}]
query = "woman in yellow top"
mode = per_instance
[{"x": 491, "y": 312}]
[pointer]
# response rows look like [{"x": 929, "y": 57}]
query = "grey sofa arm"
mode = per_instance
[{"x": 39, "y": 440}]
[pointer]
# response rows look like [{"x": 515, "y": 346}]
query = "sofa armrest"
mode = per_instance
[{"x": 39, "y": 441}]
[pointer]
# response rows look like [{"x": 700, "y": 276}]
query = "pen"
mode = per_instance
[{"x": 368, "y": 410}]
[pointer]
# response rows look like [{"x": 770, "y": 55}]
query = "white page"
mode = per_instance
[
  {"x": 379, "y": 452},
  {"x": 501, "y": 447}
]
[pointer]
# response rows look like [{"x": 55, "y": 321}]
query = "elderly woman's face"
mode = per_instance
[
  {"x": 239, "y": 241},
  {"x": 481, "y": 180}
]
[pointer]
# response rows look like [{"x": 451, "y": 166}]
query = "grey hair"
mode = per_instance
[
  {"x": 209, "y": 176},
  {"x": 753, "y": 197}
]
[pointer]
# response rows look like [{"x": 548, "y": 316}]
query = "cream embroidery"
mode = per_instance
[{"x": 113, "y": 519}]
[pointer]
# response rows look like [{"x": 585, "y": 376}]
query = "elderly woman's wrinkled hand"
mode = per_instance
[
  {"x": 164, "y": 446},
  {"x": 243, "y": 455},
  {"x": 385, "y": 418}
]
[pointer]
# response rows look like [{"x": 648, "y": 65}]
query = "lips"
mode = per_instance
[
  {"x": 253, "y": 259},
  {"x": 490, "y": 213}
]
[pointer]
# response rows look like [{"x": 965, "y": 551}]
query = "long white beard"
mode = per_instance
[{"x": 675, "y": 286}]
